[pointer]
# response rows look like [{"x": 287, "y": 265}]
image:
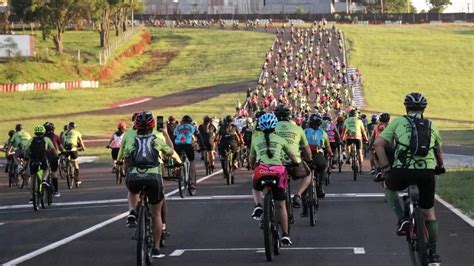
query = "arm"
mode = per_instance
[
  {"x": 307, "y": 153},
  {"x": 438, "y": 152},
  {"x": 110, "y": 141},
  {"x": 380, "y": 144},
  {"x": 81, "y": 143},
  {"x": 175, "y": 156},
  {"x": 167, "y": 138}
]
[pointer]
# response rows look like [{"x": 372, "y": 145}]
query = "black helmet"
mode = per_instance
[
  {"x": 352, "y": 113},
  {"x": 385, "y": 118},
  {"x": 415, "y": 101},
  {"x": 363, "y": 116},
  {"x": 228, "y": 119},
  {"x": 326, "y": 117},
  {"x": 259, "y": 114},
  {"x": 283, "y": 112},
  {"x": 315, "y": 120},
  {"x": 11, "y": 133},
  {"x": 49, "y": 126},
  {"x": 207, "y": 119},
  {"x": 18, "y": 127},
  {"x": 187, "y": 119},
  {"x": 72, "y": 125}
]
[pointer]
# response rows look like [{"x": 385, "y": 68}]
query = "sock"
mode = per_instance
[
  {"x": 394, "y": 202},
  {"x": 432, "y": 227}
]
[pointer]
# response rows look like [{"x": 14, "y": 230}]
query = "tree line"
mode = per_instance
[{"x": 55, "y": 16}]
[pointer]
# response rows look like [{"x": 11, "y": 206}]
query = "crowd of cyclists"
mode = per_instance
[{"x": 300, "y": 116}]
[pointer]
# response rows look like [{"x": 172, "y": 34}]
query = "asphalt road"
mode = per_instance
[{"x": 355, "y": 226}]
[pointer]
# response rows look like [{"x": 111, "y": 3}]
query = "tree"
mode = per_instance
[
  {"x": 437, "y": 6},
  {"x": 56, "y": 15},
  {"x": 398, "y": 6},
  {"x": 22, "y": 9}
]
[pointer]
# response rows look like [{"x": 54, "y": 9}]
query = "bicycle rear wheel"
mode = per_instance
[
  {"x": 312, "y": 198},
  {"x": 69, "y": 176},
  {"x": 182, "y": 182},
  {"x": 35, "y": 193},
  {"x": 142, "y": 250},
  {"x": 421, "y": 238},
  {"x": 267, "y": 225}
]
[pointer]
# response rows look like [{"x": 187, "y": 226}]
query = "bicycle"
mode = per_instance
[
  {"x": 119, "y": 172},
  {"x": 62, "y": 166},
  {"x": 144, "y": 232},
  {"x": 416, "y": 236},
  {"x": 354, "y": 162},
  {"x": 311, "y": 199},
  {"x": 271, "y": 229},
  {"x": 71, "y": 173},
  {"x": 18, "y": 174},
  {"x": 207, "y": 163},
  {"x": 184, "y": 179},
  {"x": 228, "y": 166},
  {"x": 171, "y": 169},
  {"x": 328, "y": 170},
  {"x": 41, "y": 190},
  {"x": 340, "y": 159}
]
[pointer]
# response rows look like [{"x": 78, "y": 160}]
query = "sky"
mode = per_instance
[{"x": 455, "y": 7}]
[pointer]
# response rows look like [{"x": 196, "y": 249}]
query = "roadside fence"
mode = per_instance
[{"x": 69, "y": 85}]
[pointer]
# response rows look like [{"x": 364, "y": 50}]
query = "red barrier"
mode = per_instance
[{"x": 1, "y": 88}]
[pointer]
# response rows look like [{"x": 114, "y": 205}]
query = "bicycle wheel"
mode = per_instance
[
  {"x": 289, "y": 207},
  {"x": 44, "y": 196},
  {"x": 117, "y": 175},
  {"x": 355, "y": 168},
  {"x": 231, "y": 168},
  {"x": 421, "y": 246},
  {"x": 182, "y": 182},
  {"x": 312, "y": 202},
  {"x": 69, "y": 176},
  {"x": 267, "y": 225},
  {"x": 141, "y": 238},
  {"x": 35, "y": 192}
]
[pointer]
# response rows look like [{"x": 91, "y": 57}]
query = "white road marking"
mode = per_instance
[
  {"x": 85, "y": 232},
  {"x": 135, "y": 102},
  {"x": 179, "y": 252},
  {"x": 2, "y": 223},
  {"x": 455, "y": 210}
]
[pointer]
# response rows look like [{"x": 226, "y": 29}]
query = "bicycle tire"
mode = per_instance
[
  {"x": 35, "y": 192},
  {"x": 311, "y": 202},
  {"x": 289, "y": 207},
  {"x": 69, "y": 177},
  {"x": 182, "y": 184},
  {"x": 231, "y": 169},
  {"x": 11, "y": 178},
  {"x": 421, "y": 246},
  {"x": 19, "y": 181},
  {"x": 122, "y": 174},
  {"x": 267, "y": 225},
  {"x": 191, "y": 190},
  {"x": 141, "y": 238},
  {"x": 44, "y": 196},
  {"x": 117, "y": 175}
]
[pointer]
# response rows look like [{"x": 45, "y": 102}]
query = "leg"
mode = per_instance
[
  {"x": 133, "y": 200},
  {"x": 257, "y": 196},
  {"x": 282, "y": 215},
  {"x": 156, "y": 210}
]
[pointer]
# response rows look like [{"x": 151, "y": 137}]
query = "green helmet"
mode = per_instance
[{"x": 39, "y": 130}]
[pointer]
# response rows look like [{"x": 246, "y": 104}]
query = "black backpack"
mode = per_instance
[
  {"x": 37, "y": 148},
  {"x": 145, "y": 155},
  {"x": 420, "y": 138}
]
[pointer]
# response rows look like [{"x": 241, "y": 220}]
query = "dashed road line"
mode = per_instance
[{"x": 179, "y": 252}]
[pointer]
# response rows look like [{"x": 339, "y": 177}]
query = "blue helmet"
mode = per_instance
[
  {"x": 374, "y": 118},
  {"x": 267, "y": 121}
]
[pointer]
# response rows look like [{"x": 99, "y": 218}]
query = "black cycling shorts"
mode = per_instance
[
  {"x": 278, "y": 193},
  {"x": 399, "y": 179},
  {"x": 334, "y": 146},
  {"x": 224, "y": 145},
  {"x": 114, "y": 153},
  {"x": 74, "y": 154},
  {"x": 187, "y": 148},
  {"x": 53, "y": 163},
  {"x": 36, "y": 164},
  {"x": 153, "y": 186},
  {"x": 319, "y": 162},
  {"x": 357, "y": 142}
]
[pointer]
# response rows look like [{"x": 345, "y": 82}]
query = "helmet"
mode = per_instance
[
  {"x": 283, "y": 112},
  {"x": 49, "y": 126},
  {"x": 228, "y": 119},
  {"x": 65, "y": 127},
  {"x": 385, "y": 118},
  {"x": 144, "y": 121},
  {"x": 363, "y": 116},
  {"x": 326, "y": 117},
  {"x": 267, "y": 121},
  {"x": 259, "y": 114},
  {"x": 18, "y": 127},
  {"x": 187, "y": 119},
  {"x": 39, "y": 130},
  {"x": 352, "y": 113},
  {"x": 122, "y": 125},
  {"x": 315, "y": 120},
  {"x": 11, "y": 132},
  {"x": 374, "y": 118},
  {"x": 207, "y": 119},
  {"x": 415, "y": 101},
  {"x": 171, "y": 119},
  {"x": 72, "y": 125}
]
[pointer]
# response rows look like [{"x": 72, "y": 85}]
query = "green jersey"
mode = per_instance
[
  {"x": 294, "y": 135},
  {"x": 71, "y": 139},
  {"x": 20, "y": 139},
  {"x": 278, "y": 147},
  {"x": 354, "y": 127},
  {"x": 399, "y": 131},
  {"x": 48, "y": 144}
]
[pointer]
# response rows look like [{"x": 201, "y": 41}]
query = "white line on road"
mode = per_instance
[
  {"x": 179, "y": 252},
  {"x": 85, "y": 232},
  {"x": 455, "y": 210},
  {"x": 2, "y": 223},
  {"x": 134, "y": 102}
]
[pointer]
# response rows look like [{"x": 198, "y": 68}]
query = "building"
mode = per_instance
[{"x": 163, "y": 7}]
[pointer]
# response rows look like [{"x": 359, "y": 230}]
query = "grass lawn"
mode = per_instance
[
  {"x": 203, "y": 58},
  {"x": 436, "y": 60},
  {"x": 456, "y": 187}
]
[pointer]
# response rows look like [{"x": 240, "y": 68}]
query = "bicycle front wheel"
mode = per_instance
[
  {"x": 421, "y": 246},
  {"x": 267, "y": 226},
  {"x": 142, "y": 252}
]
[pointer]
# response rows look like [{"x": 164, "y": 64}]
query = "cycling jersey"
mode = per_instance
[
  {"x": 378, "y": 130},
  {"x": 278, "y": 146},
  {"x": 158, "y": 144},
  {"x": 331, "y": 130},
  {"x": 48, "y": 144},
  {"x": 354, "y": 128},
  {"x": 184, "y": 134},
  {"x": 117, "y": 139},
  {"x": 70, "y": 139},
  {"x": 20, "y": 139},
  {"x": 294, "y": 135},
  {"x": 317, "y": 139},
  {"x": 400, "y": 132}
]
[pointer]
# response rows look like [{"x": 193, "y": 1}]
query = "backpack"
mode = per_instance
[
  {"x": 420, "y": 136},
  {"x": 37, "y": 148},
  {"x": 314, "y": 136},
  {"x": 145, "y": 155}
]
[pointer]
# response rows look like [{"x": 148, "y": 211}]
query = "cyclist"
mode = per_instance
[
  {"x": 333, "y": 136},
  {"x": 384, "y": 119},
  {"x": 184, "y": 138},
  {"x": 171, "y": 126},
  {"x": 17, "y": 144},
  {"x": 208, "y": 132},
  {"x": 144, "y": 170},
  {"x": 354, "y": 133},
  {"x": 72, "y": 142},
  {"x": 319, "y": 143},
  {"x": 266, "y": 154},
  {"x": 5, "y": 149},
  {"x": 37, "y": 148},
  {"x": 295, "y": 137},
  {"x": 229, "y": 136},
  {"x": 408, "y": 168},
  {"x": 370, "y": 128},
  {"x": 115, "y": 142},
  {"x": 52, "y": 157},
  {"x": 128, "y": 136}
]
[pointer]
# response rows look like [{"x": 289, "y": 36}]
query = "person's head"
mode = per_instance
[
  {"x": 134, "y": 116},
  {"x": 249, "y": 121},
  {"x": 49, "y": 127},
  {"x": 207, "y": 120},
  {"x": 122, "y": 126},
  {"x": 228, "y": 120},
  {"x": 18, "y": 127},
  {"x": 326, "y": 117},
  {"x": 374, "y": 118},
  {"x": 363, "y": 116},
  {"x": 171, "y": 119},
  {"x": 283, "y": 112},
  {"x": 144, "y": 122},
  {"x": 415, "y": 102},
  {"x": 315, "y": 121},
  {"x": 65, "y": 127},
  {"x": 353, "y": 113},
  {"x": 71, "y": 125},
  {"x": 39, "y": 130},
  {"x": 384, "y": 118},
  {"x": 258, "y": 114},
  {"x": 267, "y": 123},
  {"x": 186, "y": 119},
  {"x": 11, "y": 133}
]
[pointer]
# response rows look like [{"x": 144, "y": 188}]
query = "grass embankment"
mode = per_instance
[
  {"x": 47, "y": 66},
  {"x": 185, "y": 59},
  {"x": 456, "y": 187},
  {"x": 436, "y": 60}
]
